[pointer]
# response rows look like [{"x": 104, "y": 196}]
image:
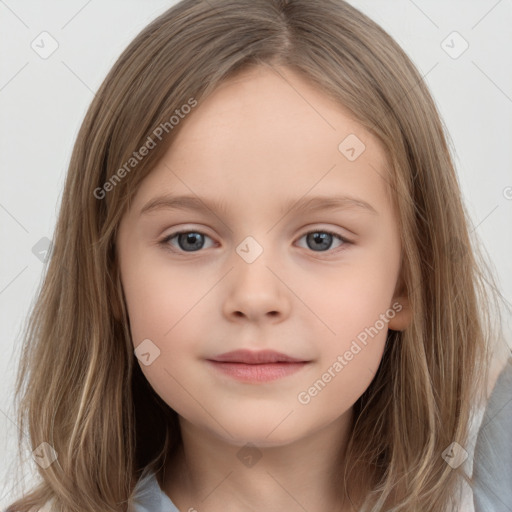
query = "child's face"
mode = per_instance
[{"x": 257, "y": 145}]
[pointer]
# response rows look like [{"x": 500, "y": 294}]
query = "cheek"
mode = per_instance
[
  {"x": 349, "y": 357},
  {"x": 160, "y": 316},
  {"x": 157, "y": 296},
  {"x": 357, "y": 307},
  {"x": 341, "y": 382},
  {"x": 350, "y": 299},
  {"x": 160, "y": 302}
]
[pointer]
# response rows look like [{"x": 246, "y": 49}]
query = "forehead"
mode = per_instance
[
  {"x": 274, "y": 106},
  {"x": 269, "y": 131}
]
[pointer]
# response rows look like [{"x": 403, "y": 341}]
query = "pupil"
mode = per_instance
[
  {"x": 322, "y": 237},
  {"x": 193, "y": 239}
]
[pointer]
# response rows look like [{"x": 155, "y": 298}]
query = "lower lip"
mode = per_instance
[{"x": 257, "y": 372}]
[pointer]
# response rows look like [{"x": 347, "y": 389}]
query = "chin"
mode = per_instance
[{"x": 261, "y": 431}]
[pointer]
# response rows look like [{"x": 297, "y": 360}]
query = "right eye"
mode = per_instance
[{"x": 186, "y": 239}]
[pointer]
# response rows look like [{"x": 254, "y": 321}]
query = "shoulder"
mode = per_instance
[{"x": 492, "y": 462}]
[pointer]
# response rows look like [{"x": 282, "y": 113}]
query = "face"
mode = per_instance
[{"x": 253, "y": 270}]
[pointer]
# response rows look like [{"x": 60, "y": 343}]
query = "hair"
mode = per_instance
[{"x": 79, "y": 387}]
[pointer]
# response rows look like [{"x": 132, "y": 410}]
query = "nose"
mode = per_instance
[{"x": 255, "y": 291}]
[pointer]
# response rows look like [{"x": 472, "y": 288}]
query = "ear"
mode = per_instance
[
  {"x": 403, "y": 316},
  {"x": 402, "y": 307}
]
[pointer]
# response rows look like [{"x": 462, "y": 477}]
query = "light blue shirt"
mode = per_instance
[
  {"x": 492, "y": 470},
  {"x": 148, "y": 497}
]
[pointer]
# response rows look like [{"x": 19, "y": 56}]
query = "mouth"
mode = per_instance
[{"x": 261, "y": 366}]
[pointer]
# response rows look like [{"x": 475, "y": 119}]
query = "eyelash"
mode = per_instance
[{"x": 168, "y": 238}]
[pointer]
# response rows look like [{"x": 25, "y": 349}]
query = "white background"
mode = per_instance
[{"x": 43, "y": 102}]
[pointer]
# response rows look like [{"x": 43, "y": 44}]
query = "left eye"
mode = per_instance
[
  {"x": 323, "y": 239},
  {"x": 192, "y": 241}
]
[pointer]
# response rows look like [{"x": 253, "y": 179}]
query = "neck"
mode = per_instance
[{"x": 211, "y": 475}]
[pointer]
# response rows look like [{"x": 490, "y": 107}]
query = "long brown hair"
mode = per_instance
[{"x": 79, "y": 387}]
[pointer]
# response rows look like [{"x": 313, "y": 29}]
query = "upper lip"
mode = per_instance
[{"x": 255, "y": 357}]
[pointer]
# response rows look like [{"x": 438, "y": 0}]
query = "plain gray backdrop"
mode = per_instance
[{"x": 43, "y": 99}]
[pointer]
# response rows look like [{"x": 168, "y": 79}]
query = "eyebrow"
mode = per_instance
[{"x": 315, "y": 203}]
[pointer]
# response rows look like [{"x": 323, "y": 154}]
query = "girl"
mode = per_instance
[{"x": 322, "y": 343}]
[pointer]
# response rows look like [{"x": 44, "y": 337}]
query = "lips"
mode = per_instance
[
  {"x": 259, "y": 357},
  {"x": 256, "y": 367}
]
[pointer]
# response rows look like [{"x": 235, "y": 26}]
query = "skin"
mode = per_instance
[{"x": 262, "y": 138}]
